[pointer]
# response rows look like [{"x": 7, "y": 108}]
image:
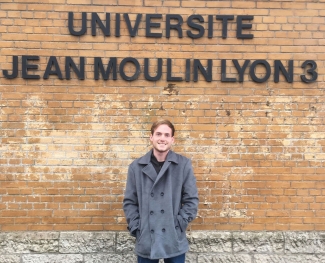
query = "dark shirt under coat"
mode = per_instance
[
  {"x": 159, "y": 207},
  {"x": 156, "y": 164}
]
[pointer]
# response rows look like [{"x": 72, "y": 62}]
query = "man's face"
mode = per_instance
[{"x": 162, "y": 138}]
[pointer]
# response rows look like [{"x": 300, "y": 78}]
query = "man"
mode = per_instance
[{"x": 160, "y": 199}]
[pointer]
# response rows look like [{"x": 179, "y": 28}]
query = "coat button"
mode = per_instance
[
  {"x": 176, "y": 227},
  {"x": 162, "y": 193},
  {"x": 162, "y": 211},
  {"x": 151, "y": 212},
  {"x": 152, "y": 231},
  {"x": 190, "y": 219},
  {"x": 152, "y": 194},
  {"x": 163, "y": 230}
]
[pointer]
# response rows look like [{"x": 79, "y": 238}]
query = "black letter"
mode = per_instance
[
  {"x": 137, "y": 69},
  {"x": 169, "y": 72},
  {"x": 252, "y": 70},
  {"x": 311, "y": 71},
  {"x": 69, "y": 63},
  {"x": 241, "y": 26},
  {"x": 210, "y": 26},
  {"x": 27, "y": 66},
  {"x": 117, "y": 25},
  {"x": 132, "y": 31},
  {"x": 224, "y": 73},
  {"x": 14, "y": 69},
  {"x": 146, "y": 70},
  {"x": 52, "y": 61},
  {"x": 206, "y": 73},
  {"x": 190, "y": 23},
  {"x": 240, "y": 70},
  {"x": 188, "y": 70},
  {"x": 149, "y": 25},
  {"x": 95, "y": 19},
  {"x": 83, "y": 27},
  {"x": 178, "y": 26},
  {"x": 98, "y": 64},
  {"x": 279, "y": 66},
  {"x": 224, "y": 19}
]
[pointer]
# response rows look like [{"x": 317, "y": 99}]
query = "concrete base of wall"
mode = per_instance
[{"x": 206, "y": 246}]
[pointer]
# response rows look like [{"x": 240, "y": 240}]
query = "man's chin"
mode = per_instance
[{"x": 162, "y": 150}]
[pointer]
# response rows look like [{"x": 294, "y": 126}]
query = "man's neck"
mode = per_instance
[{"x": 160, "y": 156}]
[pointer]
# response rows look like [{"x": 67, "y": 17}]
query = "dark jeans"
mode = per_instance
[{"x": 177, "y": 259}]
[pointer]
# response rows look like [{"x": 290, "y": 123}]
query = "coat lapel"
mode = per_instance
[
  {"x": 171, "y": 157},
  {"x": 150, "y": 171},
  {"x": 162, "y": 172}
]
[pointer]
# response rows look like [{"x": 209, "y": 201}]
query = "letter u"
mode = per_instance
[{"x": 83, "y": 29}]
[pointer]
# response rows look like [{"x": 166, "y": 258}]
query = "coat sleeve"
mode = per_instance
[
  {"x": 189, "y": 199},
  {"x": 131, "y": 204}
]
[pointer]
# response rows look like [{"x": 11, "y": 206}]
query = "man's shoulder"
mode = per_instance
[
  {"x": 144, "y": 159},
  {"x": 177, "y": 158}
]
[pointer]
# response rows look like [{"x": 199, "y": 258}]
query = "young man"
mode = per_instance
[{"x": 160, "y": 199}]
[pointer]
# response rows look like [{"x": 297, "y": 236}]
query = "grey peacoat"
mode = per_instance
[{"x": 158, "y": 211}]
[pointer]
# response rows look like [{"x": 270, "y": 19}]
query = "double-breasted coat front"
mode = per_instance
[{"x": 159, "y": 207}]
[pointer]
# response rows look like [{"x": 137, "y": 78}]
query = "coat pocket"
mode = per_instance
[
  {"x": 143, "y": 242},
  {"x": 182, "y": 223},
  {"x": 178, "y": 228},
  {"x": 138, "y": 234}
]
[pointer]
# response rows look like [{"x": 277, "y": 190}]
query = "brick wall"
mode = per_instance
[{"x": 257, "y": 148}]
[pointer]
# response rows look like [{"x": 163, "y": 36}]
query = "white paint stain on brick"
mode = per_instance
[
  {"x": 229, "y": 207},
  {"x": 233, "y": 213}
]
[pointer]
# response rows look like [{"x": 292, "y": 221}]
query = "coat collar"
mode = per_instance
[
  {"x": 149, "y": 170},
  {"x": 171, "y": 157}
]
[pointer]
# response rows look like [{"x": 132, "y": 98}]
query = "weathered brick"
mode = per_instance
[{"x": 254, "y": 146}]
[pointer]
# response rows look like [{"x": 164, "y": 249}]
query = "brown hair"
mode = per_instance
[{"x": 156, "y": 124}]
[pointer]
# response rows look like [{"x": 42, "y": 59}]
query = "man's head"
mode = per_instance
[
  {"x": 156, "y": 124},
  {"x": 162, "y": 136}
]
